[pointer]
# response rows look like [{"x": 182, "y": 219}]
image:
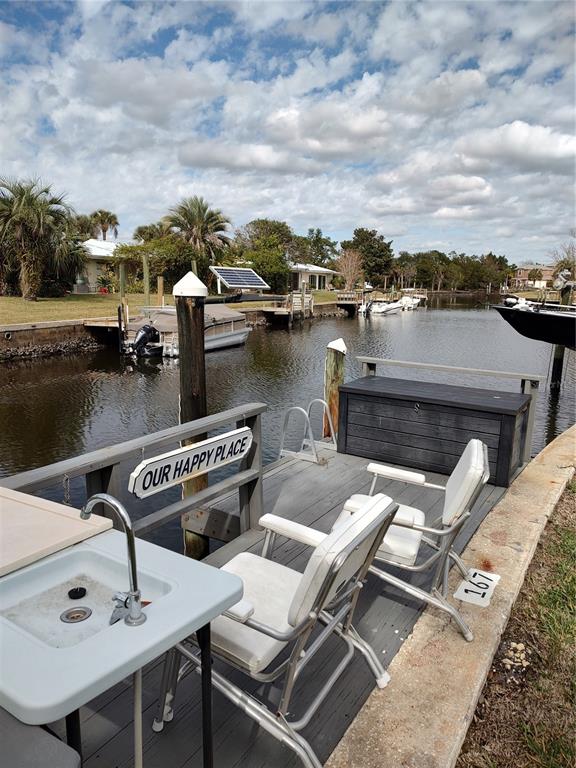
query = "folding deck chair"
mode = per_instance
[
  {"x": 269, "y": 633},
  {"x": 409, "y": 534}
]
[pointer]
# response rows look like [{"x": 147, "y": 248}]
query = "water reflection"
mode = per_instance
[{"x": 55, "y": 408}]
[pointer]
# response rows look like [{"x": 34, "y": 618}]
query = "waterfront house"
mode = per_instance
[
  {"x": 314, "y": 277},
  {"x": 100, "y": 256},
  {"x": 521, "y": 278}
]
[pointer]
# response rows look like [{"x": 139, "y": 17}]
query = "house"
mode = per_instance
[
  {"x": 521, "y": 279},
  {"x": 315, "y": 278},
  {"x": 100, "y": 257}
]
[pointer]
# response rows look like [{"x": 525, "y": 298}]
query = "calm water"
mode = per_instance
[{"x": 56, "y": 408}]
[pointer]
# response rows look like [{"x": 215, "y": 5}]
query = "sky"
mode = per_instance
[{"x": 445, "y": 125}]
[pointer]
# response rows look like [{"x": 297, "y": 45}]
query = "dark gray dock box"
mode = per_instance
[{"x": 426, "y": 426}]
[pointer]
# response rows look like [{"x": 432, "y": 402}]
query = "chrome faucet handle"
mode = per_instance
[{"x": 122, "y": 607}]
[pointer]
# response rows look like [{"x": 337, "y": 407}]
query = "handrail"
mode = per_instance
[
  {"x": 36, "y": 479},
  {"x": 371, "y": 363},
  {"x": 100, "y": 470},
  {"x": 529, "y": 384}
]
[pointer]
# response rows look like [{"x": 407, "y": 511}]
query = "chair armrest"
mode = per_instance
[
  {"x": 240, "y": 611},
  {"x": 292, "y": 530},
  {"x": 393, "y": 473}
]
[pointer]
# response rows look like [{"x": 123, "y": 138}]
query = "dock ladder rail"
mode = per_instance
[{"x": 308, "y": 446}]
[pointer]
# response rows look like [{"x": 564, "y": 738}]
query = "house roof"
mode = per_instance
[
  {"x": 312, "y": 268},
  {"x": 100, "y": 249}
]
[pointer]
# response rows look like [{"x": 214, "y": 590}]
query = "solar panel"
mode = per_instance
[{"x": 239, "y": 277}]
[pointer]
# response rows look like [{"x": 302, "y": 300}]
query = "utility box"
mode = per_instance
[{"x": 423, "y": 425}]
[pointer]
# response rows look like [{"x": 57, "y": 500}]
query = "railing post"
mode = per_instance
[
  {"x": 530, "y": 387},
  {"x": 368, "y": 369},
  {"x": 104, "y": 480},
  {"x": 250, "y": 495}
]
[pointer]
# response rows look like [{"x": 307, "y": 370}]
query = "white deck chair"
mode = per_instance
[
  {"x": 267, "y": 635},
  {"x": 409, "y": 534}
]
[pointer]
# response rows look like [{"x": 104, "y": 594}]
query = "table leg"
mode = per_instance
[
  {"x": 73, "y": 731},
  {"x": 203, "y": 637}
]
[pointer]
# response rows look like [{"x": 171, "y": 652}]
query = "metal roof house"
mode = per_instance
[
  {"x": 316, "y": 278},
  {"x": 100, "y": 255}
]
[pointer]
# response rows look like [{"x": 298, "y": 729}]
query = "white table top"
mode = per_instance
[{"x": 40, "y": 683}]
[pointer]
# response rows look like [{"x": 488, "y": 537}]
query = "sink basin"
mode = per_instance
[
  {"x": 49, "y": 668},
  {"x": 36, "y": 600}
]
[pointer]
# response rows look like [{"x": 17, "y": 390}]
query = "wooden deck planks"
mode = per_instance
[{"x": 313, "y": 495}]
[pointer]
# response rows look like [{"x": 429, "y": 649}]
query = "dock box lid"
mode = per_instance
[{"x": 471, "y": 398}]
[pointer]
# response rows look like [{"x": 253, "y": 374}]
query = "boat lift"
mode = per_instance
[{"x": 308, "y": 446}]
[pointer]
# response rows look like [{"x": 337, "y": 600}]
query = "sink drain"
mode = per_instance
[{"x": 76, "y": 614}]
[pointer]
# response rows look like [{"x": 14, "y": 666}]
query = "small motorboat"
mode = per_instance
[{"x": 385, "y": 307}]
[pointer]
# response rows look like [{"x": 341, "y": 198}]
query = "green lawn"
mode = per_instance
[
  {"x": 14, "y": 310},
  {"x": 74, "y": 307}
]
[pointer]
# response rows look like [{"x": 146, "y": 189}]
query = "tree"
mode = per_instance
[
  {"x": 258, "y": 230},
  {"x": 204, "y": 228},
  {"x": 376, "y": 254},
  {"x": 535, "y": 274},
  {"x": 146, "y": 232},
  {"x": 349, "y": 264},
  {"x": 314, "y": 248},
  {"x": 37, "y": 234},
  {"x": 169, "y": 256},
  {"x": 84, "y": 226},
  {"x": 104, "y": 221},
  {"x": 268, "y": 259},
  {"x": 565, "y": 256}
]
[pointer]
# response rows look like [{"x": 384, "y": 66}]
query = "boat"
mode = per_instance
[
  {"x": 380, "y": 307},
  {"x": 223, "y": 327},
  {"x": 411, "y": 299},
  {"x": 552, "y": 323}
]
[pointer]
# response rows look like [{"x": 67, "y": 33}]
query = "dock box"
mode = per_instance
[{"x": 426, "y": 426}]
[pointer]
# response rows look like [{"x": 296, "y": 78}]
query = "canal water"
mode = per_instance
[{"x": 55, "y": 408}]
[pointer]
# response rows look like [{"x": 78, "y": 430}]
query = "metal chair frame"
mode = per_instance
[{"x": 336, "y": 617}]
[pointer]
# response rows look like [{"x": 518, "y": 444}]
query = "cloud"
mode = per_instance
[
  {"x": 522, "y": 146},
  {"x": 439, "y": 121}
]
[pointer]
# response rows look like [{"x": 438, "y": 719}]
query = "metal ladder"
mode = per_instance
[{"x": 308, "y": 445}]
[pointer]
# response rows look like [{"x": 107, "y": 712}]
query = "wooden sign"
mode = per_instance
[{"x": 161, "y": 472}]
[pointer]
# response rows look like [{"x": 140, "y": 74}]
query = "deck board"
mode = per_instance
[{"x": 313, "y": 495}]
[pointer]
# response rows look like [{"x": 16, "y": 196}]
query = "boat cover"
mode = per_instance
[{"x": 165, "y": 319}]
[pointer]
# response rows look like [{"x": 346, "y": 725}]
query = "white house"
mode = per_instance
[
  {"x": 100, "y": 256},
  {"x": 315, "y": 278}
]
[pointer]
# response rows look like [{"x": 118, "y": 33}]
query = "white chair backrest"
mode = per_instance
[
  {"x": 313, "y": 581},
  {"x": 468, "y": 476}
]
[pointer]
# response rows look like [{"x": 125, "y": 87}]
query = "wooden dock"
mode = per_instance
[{"x": 312, "y": 494}]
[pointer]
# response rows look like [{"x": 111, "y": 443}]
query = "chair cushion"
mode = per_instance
[
  {"x": 29, "y": 746},
  {"x": 400, "y": 545},
  {"x": 360, "y": 529},
  {"x": 269, "y": 587},
  {"x": 470, "y": 473}
]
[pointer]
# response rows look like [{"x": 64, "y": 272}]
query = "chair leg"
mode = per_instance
[
  {"x": 459, "y": 563},
  {"x": 165, "y": 713},
  {"x": 275, "y": 725},
  {"x": 436, "y": 599},
  {"x": 382, "y": 677}
]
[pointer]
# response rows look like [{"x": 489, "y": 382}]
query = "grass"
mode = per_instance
[
  {"x": 14, "y": 310},
  {"x": 526, "y": 717}
]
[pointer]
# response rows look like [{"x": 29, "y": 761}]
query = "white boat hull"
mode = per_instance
[
  {"x": 385, "y": 308},
  {"x": 211, "y": 343}
]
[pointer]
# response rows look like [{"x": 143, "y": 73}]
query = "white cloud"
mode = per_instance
[{"x": 441, "y": 122}]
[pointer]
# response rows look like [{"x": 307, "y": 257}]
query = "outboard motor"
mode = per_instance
[{"x": 146, "y": 335}]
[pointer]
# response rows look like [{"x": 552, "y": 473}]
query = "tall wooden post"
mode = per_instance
[
  {"x": 333, "y": 378},
  {"x": 146, "y": 276},
  {"x": 160, "y": 290},
  {"x": 122, "y": 279},
  {"x": 189, "y": 294}
]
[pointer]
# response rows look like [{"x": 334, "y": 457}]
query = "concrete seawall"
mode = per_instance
[{"x": 50, "y": 338}]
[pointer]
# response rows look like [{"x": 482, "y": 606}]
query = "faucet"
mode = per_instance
[{"x": 128, "y": 603}]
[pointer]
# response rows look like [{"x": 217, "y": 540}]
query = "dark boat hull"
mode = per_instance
[{"x": 552, "y": 327}]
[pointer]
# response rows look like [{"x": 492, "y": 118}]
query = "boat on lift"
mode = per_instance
[
  {"x": 380, "y": 307},
  {"x": 551, "y": 322}
]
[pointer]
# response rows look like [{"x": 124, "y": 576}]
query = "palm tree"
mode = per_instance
[
  {"x": 146, "y": 232},
  {"x": 85, "y": 226},
  {"x": 201, "y": 226},
  {"x": 105, "y": 220},
  {"x": 34, "y": 230}
]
